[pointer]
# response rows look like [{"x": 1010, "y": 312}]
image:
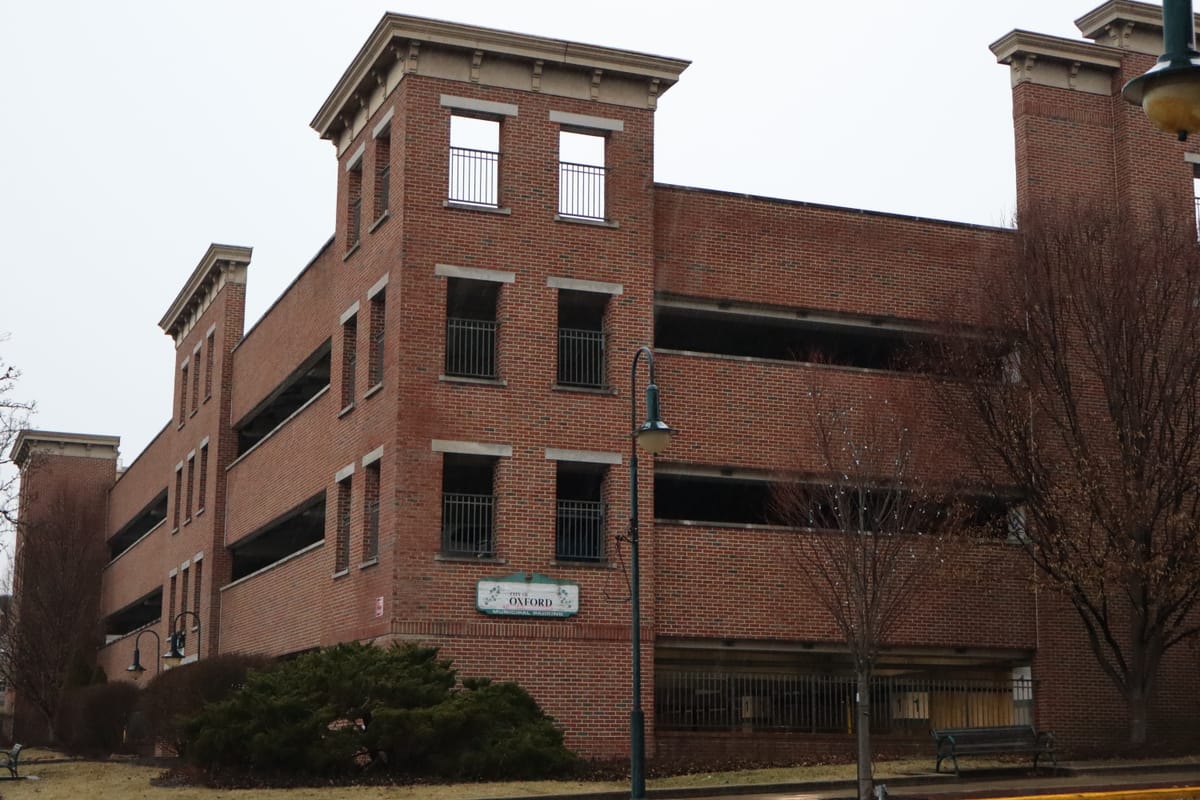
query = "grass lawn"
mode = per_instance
[{"x": 100, "y": 780}]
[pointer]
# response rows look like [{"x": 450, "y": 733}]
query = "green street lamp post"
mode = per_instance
[
  {"x": 177, "y": 638},
  {"x": 136, "y": 667},
  {"x": 653, "y": 435},
  {"x": 1169, "y": 92}
]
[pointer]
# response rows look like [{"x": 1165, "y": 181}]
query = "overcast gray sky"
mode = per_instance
[{"x": 136, "y": 132}]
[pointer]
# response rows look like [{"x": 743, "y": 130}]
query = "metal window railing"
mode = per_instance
[
  {"x": 471, "y": 348},
  {"x": 581, "y": 190},
  {"x": 579, "y": 533},
  {"x": 467, "y": 524},
  {"x": 824, "y": 703},
  {"x": 474, "y": 176},
  {"x": 580, "y": 357}
]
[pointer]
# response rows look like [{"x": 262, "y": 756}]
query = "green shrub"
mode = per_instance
[
  {"x": 484, "y": 731},
  {"x": 179, "y": 693},
  {"x": 332, "y": 710}
]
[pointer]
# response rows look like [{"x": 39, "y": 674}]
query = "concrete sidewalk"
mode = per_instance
[
  {"x": 1074, "y": 780},
  {"x": 1069, "y": 781}
]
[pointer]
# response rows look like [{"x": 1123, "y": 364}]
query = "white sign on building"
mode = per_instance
[{"x": 527, "y": 595}]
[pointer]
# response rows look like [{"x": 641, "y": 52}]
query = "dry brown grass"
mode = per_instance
[{"x": 101, "y": 780}]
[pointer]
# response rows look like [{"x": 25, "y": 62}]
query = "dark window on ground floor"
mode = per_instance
[{"x": 812, "y": 692}]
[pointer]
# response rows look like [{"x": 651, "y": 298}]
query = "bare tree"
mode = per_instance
[
  {"x": 54, "y": 628},
  {"x": 1094, "y": 419},
  {"x": 14, "y": 417},
  {"x": 872, "y": 535}
]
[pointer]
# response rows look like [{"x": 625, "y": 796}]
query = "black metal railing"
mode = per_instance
[
  {"x": 474, "y": 176},
  {"x": 581, "y": 190},
  {"x": 467, "y": 524},
  {"x": 580, "y": 357},
  {"x": 824, "y": 703},
  {"x": 471, "y": 348},
  {"x": 579, "y": 533}
]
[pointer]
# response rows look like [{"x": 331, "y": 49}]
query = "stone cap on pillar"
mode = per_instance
[{"x": 70, "y": 445}]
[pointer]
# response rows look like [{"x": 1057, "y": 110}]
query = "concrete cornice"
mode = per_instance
[
  {"x": 79, "y": 445},
  {"x": 222, "y": 263},
  {"x": 1094, "y": 24},
  {"x": 1058, "y": 62},
  {"x": 1018, "y": 43},
  {"x": 399, "y": 37},
  {"x": 1126, "y": 25}
]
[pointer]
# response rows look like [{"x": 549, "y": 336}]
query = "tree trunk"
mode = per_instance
[
  {"x": 866, "y": 783},
  {"x": 1139, "y": 716}
]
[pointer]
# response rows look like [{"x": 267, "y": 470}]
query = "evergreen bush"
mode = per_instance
[{"x": 336, "y": 710}]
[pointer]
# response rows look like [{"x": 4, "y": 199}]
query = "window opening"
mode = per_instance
[
  {"x": 723, "y": 333},
  {"x": 471, "y": 328},
  {"x": 371, "y": 512},
  {"x": 291, "y": 533},
  {"x": 581, "y": 174},
  {"x": 178, "y": 497},
  {"x": 717, "y": 499},
  {"x": 474, "y": 161},
  {"x": 349, "y": 359},
  {"x": 137, "y": 614},
  {"x": 383, "y": 172},
  {"x": 468, "y": 505},
  {"x": 203, "y": 478},
  {"x": 342, "y": 556},
  {"x": 184, "y": 589},
  {"x": 183, "y": 388},
  {"x": 208, "y": 366},
  {"x": 174, "y": 582},
  {"x": 146, "y": 520},
  {"x": 191, "y": 483},
  {"x": 581, "y": 338},
  {"x": 814, "y": 693},
  {"x": 196, "y": 382},
  {"x": 1196, "y": 195},
  {"x": 579, "y": 529},
  {"x": 198, "y": 567},
  {"x": 377, "y": 337},
  {"x": 306, "y": 382},
  {"x": 353, "y": 206}
]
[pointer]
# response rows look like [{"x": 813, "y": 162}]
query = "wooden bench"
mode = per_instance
[
  {"x": 11, "y": 757},
  {"x": 954, "y": 742}
]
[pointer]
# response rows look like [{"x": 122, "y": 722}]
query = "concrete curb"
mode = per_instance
[{"x": 1138, "y": 780}]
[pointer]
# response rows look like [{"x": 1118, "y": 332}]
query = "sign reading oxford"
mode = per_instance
[{"x": 525, "y": 595}]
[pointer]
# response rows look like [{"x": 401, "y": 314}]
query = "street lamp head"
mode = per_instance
[
  {"x": 174, "y": 655},
  {"x": 654, "y": 435},
  {"x": 136, "y": 667},
  {"x": 1169, "y": 92}
]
